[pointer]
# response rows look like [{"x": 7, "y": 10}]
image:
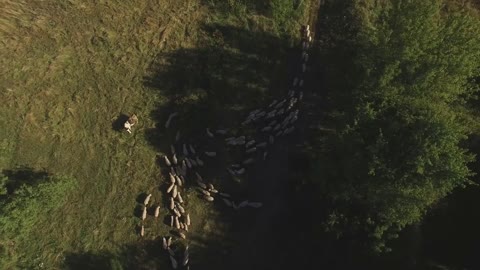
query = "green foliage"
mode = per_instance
[
  {"x": 399, "y": 111},
  {"x": 22, "y": 211}
]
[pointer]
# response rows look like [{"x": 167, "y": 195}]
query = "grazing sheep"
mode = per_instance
[
  {"x": 273, "y": 103},
  {"x": 184, "y": 166},
  {"x": 250, "y": 143},
  {"x": 167, "y": 161},
  {"x": 208, "y": 198},
  {"x": 177, "y": 136},
  {"x": 174, "y": 159},
  {"x": 265, "y": 155},
  {"x": 226, "y": 195},
  {"x": 267, "y": 128},
  {"x": 144, "y": 213},
  {"x": 188, "y": 219},
  {"x": 231, "y": 171},
  {"x": 147, "y": 199},
  {"x": 179, "y": 181},
  {"x": 172, "y": 177},
  {"x": 221, "y": 131},
  {"x": 227, "y": 202},
  {"x": 241, "y": 171},
  {"x": 210, "y": 154},
  {"x": 278, "y": 133},
  {"x": 304, "y": 45},
  {"x": 229, "y": 139},
  {"x": 309, "y": 38},
  {"x": 304, "y": 67},
  {"x": 210, "y": 134},
  {"x": 142, "y": 231},
  {"x": 185, "y": 152},
  {"x": 185, "y": 257},
  {"x": 169, "y": 241},
  {"x": 174, "y": 262},
  {"x": 243, "y": 204},
  {"x": 301, "y": 83},
  {"x": 180, "y": 207},
  {"x": 157, "y": 211},
  {"x": 255, "y": 204},
  {"x": 210, "y": 186},
  {"x": 164, "y": 242},
  {"x": 194, "y": 163},
  {"x": 246, "y": 122},
  {"x": 172, "y": 203},
  {"x": 199, "y": 161},
  {"x": 186, "y": 227},
  {"x": 248, "y": 161},
  {"x": 172, "y": 220},
  {"x": 234, "y": 205},
  {"x": 167, "y": 124},
  {"x": 174, "y": 192},
  {"x": 199, "y": 177},
  {"x": 182, "y": 226},
  {"x": 181, "y": 235},
  {"x": 295, "y": 81},
  {"x": 192, "y": 150},
  {"x": 305, "y": 57},
  {"x": 300, "y": 96},
  {"x": 271, "y": 139},
  {"x": 206, "y": 193},
  {"x": 189, "y": 165},
  {"x": 170, "y": 188},
  {"x": 201, "y": 184},
  {"x": 177, "y": 213},
  {"x": 172, "y": 149},
  {"x": 277, "y": 127},
  {"x": 179, "y": 197},
  {"x": 235, "y": 166},
  {"x": 213, "y": 190},
  {"x": 262, "y": 144},
  {"x": 251, "y": 150}
]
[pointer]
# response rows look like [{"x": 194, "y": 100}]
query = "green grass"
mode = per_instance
[{"x": 70, "y": 68}]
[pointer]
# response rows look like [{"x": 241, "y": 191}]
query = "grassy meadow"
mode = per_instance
[{"x": 71, "y": 69}]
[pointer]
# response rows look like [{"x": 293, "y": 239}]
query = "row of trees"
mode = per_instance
[{"x": 399, "y": 79}]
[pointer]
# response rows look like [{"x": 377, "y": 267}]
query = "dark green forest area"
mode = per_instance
[{"x": 386, "y": 175}]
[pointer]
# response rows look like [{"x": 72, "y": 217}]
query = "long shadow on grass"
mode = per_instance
[{"x": 23, "y": 176}]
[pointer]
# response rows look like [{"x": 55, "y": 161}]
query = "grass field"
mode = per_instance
[{"x": 70, "y": 69}]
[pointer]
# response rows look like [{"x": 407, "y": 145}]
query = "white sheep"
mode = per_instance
[
  {"x": 169, "y": 240},
  {"x": 265, "y": 155},
  {"x": 210, "y": 134},
  {"x": 240, "y": 171},
  {"x": 295, "y": 81},
  {"x": 182, "y": 210},
  {"x": 243, "y": 204},
  {"x": 221, "y": 131},
  {"x": 170, "y": 251},
  {"x": 201, "y": 184},
  {"x": 187, "y": 219},
  {"x": 210, "y": 154},
  {"x": 189, "y": 165},
  {"x": 199, "y": 177},
  {"x": 167, "y": 161},
  {"x": 174, "y": 159},
  {"x": 248, "y": 161},
  {"x": 206, "y": 193},
  {"x": 164, "y": 242},
  {"x": 179, "y": 197},
  {"x": 255, "y": 204},
  {"x": 301, "y": 83},
  {"x": 167, "y": 124},
  {"x": 170, "y": 188},
  {"x": 147, "y": 199},
  {"x": 305, "y": 57},
  {"x": 267, "y": 128},
  {"x": 185, "y": 152},
  {"x": 300, "y": 95},
  {"x": 231, "y": 171},
  {"x": 172, "y": 220},
  {"x": 194, "y": 163},
  {"x": 142, "y": 231},
  {"x": 157, "y": 211},
  {"x": 273, "y": 103},
  {"x": 174, "y": 192},
  {"x": 177, "y": 213},
  {"x": 250, "y": 143},
  {"x": 144, "y": 213},
  {"x": 262, "y": 144},
  {"x": 208, "y": 198},
  {"x": 181, "y": 235},
  {"x": 177, "y": 136},
  {"x": 178, "y": 181},
  {"x": 172, "y": 203},
  {"x": 226, "y": 195},
  {"x": 192, "y": 150},
  {"x": 172, "y": 149},
  {"x": 199, "y": 161},
  {"x": 177, "y": 223},
  {"x": 271, "y": 139},
  {"x": 227, "y": 202},
  {"x": 174, "y": 262},
  {"x": 304, "y": 67},
  {"x": 251, "y": 150}
]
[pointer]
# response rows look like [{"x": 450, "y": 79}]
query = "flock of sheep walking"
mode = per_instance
[{"x": 269, "y": 123}]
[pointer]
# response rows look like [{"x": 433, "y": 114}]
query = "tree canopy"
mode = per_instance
[{"x": 399, "y": 77}]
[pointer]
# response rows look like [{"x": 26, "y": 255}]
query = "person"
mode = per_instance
[{"x": 128, "y": 127}]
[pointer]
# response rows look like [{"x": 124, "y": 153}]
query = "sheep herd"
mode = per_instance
[{"x": 269, "y": 124}]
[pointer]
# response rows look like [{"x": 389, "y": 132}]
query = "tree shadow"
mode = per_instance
[
  {"x": 23, "y": 176},
  {"x": 117, "y": 124}
]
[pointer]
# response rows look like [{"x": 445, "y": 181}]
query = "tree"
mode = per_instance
[{"x": 400, "y": 112}]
